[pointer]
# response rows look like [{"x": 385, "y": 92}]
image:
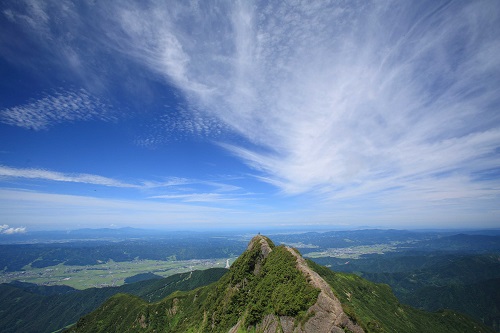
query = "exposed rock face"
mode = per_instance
[
  {"x": 236, "y": 327},
  {"x": 326, "y": 314},
  {"x": 265, "y": 249},
  {"x": 270, "y": 323}
]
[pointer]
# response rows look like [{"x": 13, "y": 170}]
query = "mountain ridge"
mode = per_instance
[
  {"x": 326, "y": 315},
  {"x": 274, "y": 289}
]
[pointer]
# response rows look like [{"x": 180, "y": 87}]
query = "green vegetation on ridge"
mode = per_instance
[
  {"x": 254, "y": 287},
  {"x": 260, "y": 286}
]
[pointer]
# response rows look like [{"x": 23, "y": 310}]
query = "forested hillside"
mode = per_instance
[{"x": 39, "y": 309}]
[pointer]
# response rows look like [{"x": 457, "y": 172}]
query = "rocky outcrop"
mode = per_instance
[
  {"x": 262, "y": 243},
  {"x": 327, "y": 313}
]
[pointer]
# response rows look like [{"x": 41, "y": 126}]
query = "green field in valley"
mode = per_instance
[
  {"x": 107, "y": 274},
  {"x": 354, "y": 252}
]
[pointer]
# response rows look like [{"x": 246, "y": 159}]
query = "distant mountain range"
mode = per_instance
[
  {"x": 127, "y": 233},
  {"x": 82, "y": 234}
]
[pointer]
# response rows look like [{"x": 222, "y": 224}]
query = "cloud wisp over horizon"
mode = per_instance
[
  {"x": 182, "y": 189},
  {"x": 381, "y": 106},
  {"x": 5, "y": 229}
]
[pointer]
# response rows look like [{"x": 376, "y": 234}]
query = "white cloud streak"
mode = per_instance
[
  {"x": 338, "y": 98},
  {"x": 40, "y": 210},
  {"x": 64, "y": 106},
  {"x": 178, "y": 189},
  {"x": 194, "y": 197},
  {"x": 47, "y": 175}
]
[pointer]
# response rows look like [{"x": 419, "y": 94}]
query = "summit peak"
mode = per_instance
[{"x": 264, "y": 244}]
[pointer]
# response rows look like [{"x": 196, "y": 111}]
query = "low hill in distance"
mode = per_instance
[{"x": 274, "y": 289}]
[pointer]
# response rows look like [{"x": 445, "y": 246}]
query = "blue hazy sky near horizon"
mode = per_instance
[{"x": 227, "y": 114}]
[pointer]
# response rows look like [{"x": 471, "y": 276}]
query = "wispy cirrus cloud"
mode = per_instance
[
  {"x": 60, "y": 107},
  {"x": 195, "y": 197},
  {"x": 79, "y": 39},
  {"x": 34, "y": 15},
  {"x": 71, "y": 211},
  {"x": 48, "y": 175},
  {"x": 173, "y": 189},
  {"x": 65, "y": 210},
  {"x": 369, "y": 104},
  {"x": 334, "y": 98},
  {"x": 48, "y": 28},
  {"x": 182, "y": 124},
  {"x": 215, "y": 192}
]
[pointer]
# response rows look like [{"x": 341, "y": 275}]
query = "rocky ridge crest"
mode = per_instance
[{"x": 326, "y": 315}]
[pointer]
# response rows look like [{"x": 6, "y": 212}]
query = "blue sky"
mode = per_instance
[{"x": 214, "y": 114}]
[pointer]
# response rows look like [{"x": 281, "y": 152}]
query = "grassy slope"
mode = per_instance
[
  {"x": 23, "y": 311},
  {"x": 480, "y": 300},
  {"x": 376, "y": 309},
  {"x": 469, "y": 284},
  {"x": 279, "y": 289}
]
